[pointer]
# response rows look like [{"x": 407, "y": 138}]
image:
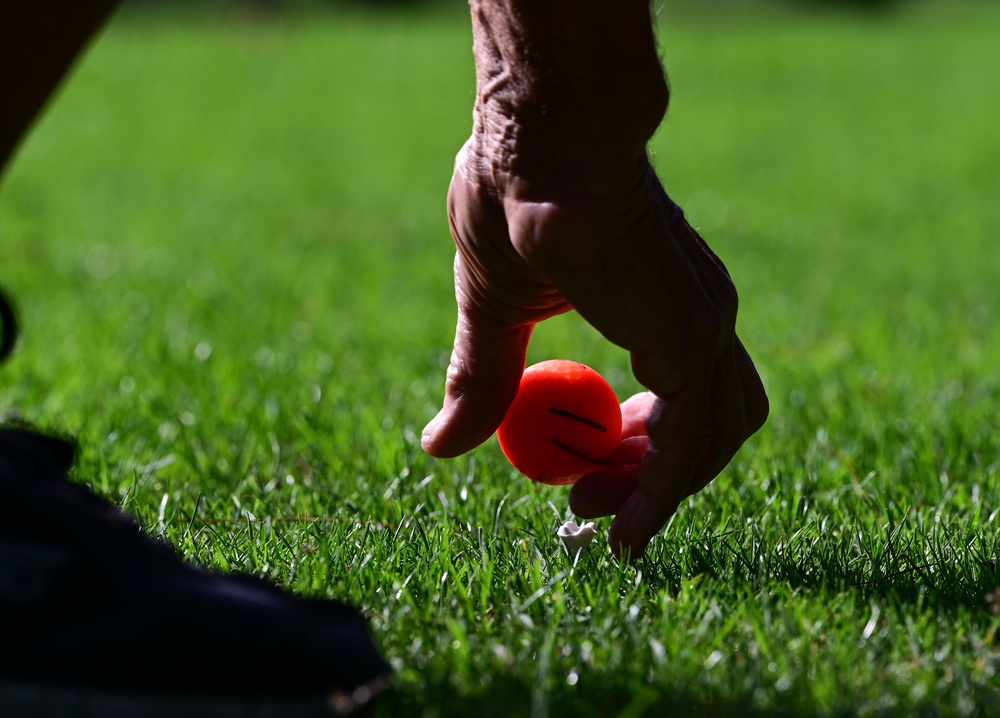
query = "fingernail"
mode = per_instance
[
  {"x": 426, "y": 438},
  {"x": 427, "y": 435}
]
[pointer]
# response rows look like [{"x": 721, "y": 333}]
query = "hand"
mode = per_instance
[{"x": 632, "y": 267}]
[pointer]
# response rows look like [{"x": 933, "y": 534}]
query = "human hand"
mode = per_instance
[
  {"x": 554, "y": 206},
  {"x": 633, "y": 268}
]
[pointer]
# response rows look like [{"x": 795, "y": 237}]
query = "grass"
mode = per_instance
[{"x": 228, "y": 242}]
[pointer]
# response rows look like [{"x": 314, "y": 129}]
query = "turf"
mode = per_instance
[{"x": 228, "y": 244}]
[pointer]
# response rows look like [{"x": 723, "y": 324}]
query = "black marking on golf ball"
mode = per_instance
[
  {"x": 576, "y": 417},
  {"x": 575, "y": 452}
]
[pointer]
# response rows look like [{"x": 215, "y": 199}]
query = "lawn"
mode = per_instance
[{"x": 228, "y": 244}]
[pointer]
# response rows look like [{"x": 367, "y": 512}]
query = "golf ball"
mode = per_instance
[{"x": 564, "y": 422}]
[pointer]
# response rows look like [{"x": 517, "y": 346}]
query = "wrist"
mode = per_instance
[{"x": 566, "y": 100}]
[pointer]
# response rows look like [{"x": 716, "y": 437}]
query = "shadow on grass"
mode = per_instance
[
  {"x": 940, "y": 588},
  {"x": 946, "y": 580},
  {"x": 507, "y": 697}
]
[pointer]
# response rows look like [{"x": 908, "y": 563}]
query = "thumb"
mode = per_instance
[{"x": 483, "y": 378}]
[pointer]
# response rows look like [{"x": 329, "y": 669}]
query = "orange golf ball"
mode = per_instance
[{"x": 564, "y": 422}]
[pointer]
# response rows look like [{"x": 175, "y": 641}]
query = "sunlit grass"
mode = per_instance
[{"x": 229, "y": 247}]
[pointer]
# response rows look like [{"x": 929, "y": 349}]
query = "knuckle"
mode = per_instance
[{"x": 757, "y": 413}]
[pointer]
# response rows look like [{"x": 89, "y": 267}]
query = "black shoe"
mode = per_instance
[
  {"x": 97, "y": 619},
  {"x": 95, "y": 616}
]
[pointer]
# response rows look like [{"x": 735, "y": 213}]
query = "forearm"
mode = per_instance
[
  {"x": 567, "y": 94},
  {"x": 39, "y": 41}
]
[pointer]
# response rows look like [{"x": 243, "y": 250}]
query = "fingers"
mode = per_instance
[
  {"x": 483, "y": 376},
  {"x": 638, "y": 273},
  {"x": 635, "y": 409},
  {"x": 680, "y": 432},
  {"x": 740, "y": 409},
  {"x": 640, "y": 518},
  {"x": 500, "y": 298},
  {"x": 755, "y": 397},
  {"x": 603, "y": 492},
  {"x": 644, "y": 491}
]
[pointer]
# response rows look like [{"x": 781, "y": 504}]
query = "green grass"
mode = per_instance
[{"x": 228, "y": 242}]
